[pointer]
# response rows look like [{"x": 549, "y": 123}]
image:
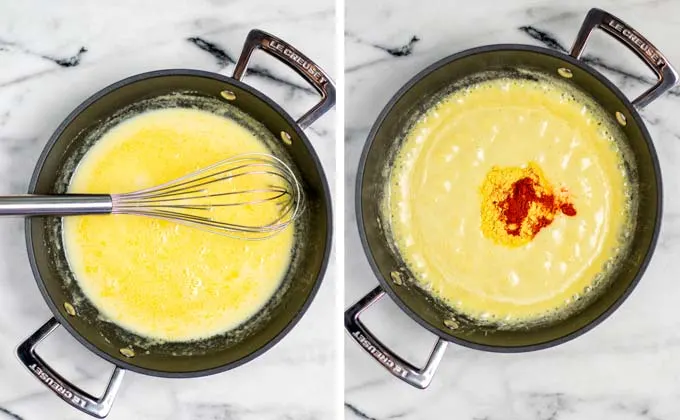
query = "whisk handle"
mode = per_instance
[{"x": 55, "y": 205}]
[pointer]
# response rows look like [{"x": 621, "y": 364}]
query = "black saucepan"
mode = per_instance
[
  {"x": 390, "y": 126},
  {"x": 189, "y": 359}
]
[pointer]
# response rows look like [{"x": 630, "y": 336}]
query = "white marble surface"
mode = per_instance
[
  {"x": 625, "y": 369},
  {"x": 294, "y": 380}
]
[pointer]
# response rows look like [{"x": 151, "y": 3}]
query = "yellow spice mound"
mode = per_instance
[{"x": 517, "y": 202}]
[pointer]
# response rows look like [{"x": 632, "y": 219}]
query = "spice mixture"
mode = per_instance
[{"x": 517, "y": 202}]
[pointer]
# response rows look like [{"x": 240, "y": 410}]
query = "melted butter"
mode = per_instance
[
  {"x": 433, "y": 202},
  {"x": 156, "y": 278}
]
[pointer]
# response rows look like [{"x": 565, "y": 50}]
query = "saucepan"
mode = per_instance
[
  {"x": 372, "y": 181},
  {"x": 179, "y": 359}
]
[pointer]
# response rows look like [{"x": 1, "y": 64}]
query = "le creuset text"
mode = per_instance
[
  {"x": 380, "y": 356},
  {"x": 635, "y": 39},
  {"x": 309, "y": 68},
  {"x": 43, "y": 376}
]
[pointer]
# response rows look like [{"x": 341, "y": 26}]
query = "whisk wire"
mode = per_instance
[{"x": 196, "y": 199}]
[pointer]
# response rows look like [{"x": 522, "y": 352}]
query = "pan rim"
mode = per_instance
[
  {"x": 120, "y": 362},
  {"x": 387, "y": 287}
]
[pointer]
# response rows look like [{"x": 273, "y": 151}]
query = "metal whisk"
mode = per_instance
[{"x": 217, "y": 199}]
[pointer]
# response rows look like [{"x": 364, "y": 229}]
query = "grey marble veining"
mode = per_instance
[
  {"x": 53, "y": 55},
  {"x": 626, "y": 368}
]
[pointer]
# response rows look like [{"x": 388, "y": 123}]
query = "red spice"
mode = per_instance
[
  {"x": 515, "y": 207},
  {"x": 568, "y": 209}
]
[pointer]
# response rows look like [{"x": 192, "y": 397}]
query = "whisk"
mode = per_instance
[{"x": 217, "y": 199}]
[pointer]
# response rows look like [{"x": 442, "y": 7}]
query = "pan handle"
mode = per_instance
[
  {"x": 97, "y": 407},
  {"x": 635, "y": 42},
  {"x": 417, "y": 377},
  {"x": 297, "y": 61}
]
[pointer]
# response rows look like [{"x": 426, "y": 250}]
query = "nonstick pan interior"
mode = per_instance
[
  {"x": 195, "y": 89},
  {"x": 404, "y": 109}
]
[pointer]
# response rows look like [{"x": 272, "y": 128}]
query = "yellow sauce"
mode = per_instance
[
  {"x": 434, "y": 202},
  {"x": 157, "y": 278}
]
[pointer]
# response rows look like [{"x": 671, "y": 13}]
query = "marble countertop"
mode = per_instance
[
  {"x": 52, "y": 57},
  {"x": 628, "y": 367}
]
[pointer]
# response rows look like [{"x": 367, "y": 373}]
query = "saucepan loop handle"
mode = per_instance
[
  {"x": 97, "y": 407},
  {"x": 629, "y": 37},
  {"x": 417, "y": 377},
  {"x": 297, "y": 61}
]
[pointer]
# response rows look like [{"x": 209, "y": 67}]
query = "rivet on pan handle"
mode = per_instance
[
  {"x": 290, "y": 56},
  {"x": 417, "y": 377},
  {"x": 97, "y": 407},
  {"x": 629, "y": 37}
]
